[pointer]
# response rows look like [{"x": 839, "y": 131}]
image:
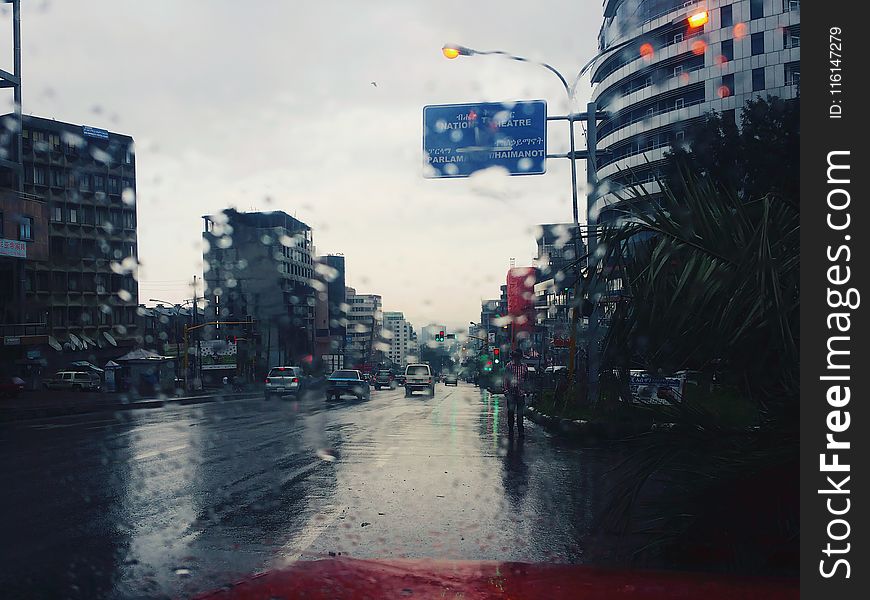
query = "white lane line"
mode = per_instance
[
  {"x": 389, "y": 455},
  {"x": 158, "y": 452},
  {"x": 296, "y": 547}
]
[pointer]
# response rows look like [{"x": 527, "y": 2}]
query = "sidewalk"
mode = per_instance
[{"x": 52, "y": 403}]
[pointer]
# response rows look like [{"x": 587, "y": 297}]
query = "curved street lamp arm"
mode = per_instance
[{"x": 568, "y": 90}]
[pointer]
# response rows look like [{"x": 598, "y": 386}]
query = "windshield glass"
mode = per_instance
[
  {"x": 346, "y": 375},
  {"x": 220, "y": 210}
]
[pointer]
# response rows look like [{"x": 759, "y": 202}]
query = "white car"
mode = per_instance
[
  {"x": 419, "y": 377},
  {"x": 283, "y": 381}
]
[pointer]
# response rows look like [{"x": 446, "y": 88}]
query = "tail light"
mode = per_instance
[
  {"x": 295, "y": 380},
  {"x": 267, "y": 380}
]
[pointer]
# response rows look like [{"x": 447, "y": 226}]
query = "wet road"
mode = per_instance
[{"x": 182, "y": 499}]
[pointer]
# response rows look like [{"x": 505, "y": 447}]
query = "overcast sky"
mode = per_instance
[{"x": 270, "y": 105}]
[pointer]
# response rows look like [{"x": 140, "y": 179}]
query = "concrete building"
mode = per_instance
[
  {"x": 403, "y": 339},
  {"x": 674, "y": 70},
  {"x": 259, "y": 266},
  {"x": 365, "y": 322},
  {"x": 331, "y": 307},
  {"x": 554, "y": 289},
  {"x": 75, "y": 213}
]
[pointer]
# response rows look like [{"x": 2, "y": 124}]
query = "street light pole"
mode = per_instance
[{"x": 590, "y": 116}]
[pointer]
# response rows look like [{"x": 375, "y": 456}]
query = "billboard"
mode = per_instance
[
  {"x": 521, "y": 300},
  {"x": 655, "y": 389},
  {"x": 13, "y": 248},
  {"x": 218, "y": 354}
]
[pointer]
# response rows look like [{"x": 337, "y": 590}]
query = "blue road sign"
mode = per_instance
[{"x": 459, "y": 139}]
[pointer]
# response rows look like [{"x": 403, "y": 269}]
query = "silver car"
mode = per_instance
[{"x": 283, "y": 381}]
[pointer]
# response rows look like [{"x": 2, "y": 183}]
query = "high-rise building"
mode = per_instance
[
  {"x": 364, "y": 328},
  {"x": 682, "y": 59},
  {"x": 331, "y": 307},
  {"x": 75, "y": 218},
  {"x": 402, "y": 339},
  {"x": 259, "y": 266}
]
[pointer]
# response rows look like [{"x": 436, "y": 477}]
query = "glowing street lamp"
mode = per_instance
[
  {"x": 698, "y": 19},
  {"x": 453, "y": 51}
]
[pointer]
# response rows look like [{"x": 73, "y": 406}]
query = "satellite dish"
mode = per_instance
[
  {"x": 54, "y": 344},
  {"x": 109, "y": 338}
]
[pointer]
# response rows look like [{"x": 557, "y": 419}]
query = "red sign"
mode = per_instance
[{"x": 521, "y": 299}]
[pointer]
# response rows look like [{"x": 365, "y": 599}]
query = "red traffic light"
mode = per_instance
[{"x": 495, "y": 351}]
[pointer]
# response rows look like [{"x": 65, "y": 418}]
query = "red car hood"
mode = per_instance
[{"x": 340, "y": 578}]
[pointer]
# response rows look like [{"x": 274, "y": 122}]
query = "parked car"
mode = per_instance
[
  {"x": 347, "y": 382},
  {"x": 283, "y": 381},
  {"x": 10, "y": 387},
  {"x": 79, "y": 381},
  {"x": 418, "y": 376},
  {"x": 385, "y": 379},
  {"x": 451, "y": 379}
]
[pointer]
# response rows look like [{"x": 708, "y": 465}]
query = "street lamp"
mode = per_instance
[{"x": 591, "y": 117}]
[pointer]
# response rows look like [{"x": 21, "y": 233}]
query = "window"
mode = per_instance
[
  {"x": 757, "y": 79},
  {"x": 793, "y": 73},
  {"x": 39, "y": 175},
  {"x": 128, "y": 156},
  {"x": 114, "y": 187},
  {"x": 791, "y": 5},
  {"x": 756, "y": 9},
  {"x": 679, "y": 103},
  {"x": 57, "y": 213},
  {"x": 678, "y": 37},
  {"x": 728, "y": 50},
  {"x": 757, "y": 43},
  {"x": 725, "y": 16},
  {"x": 54, "y": 142},
  {"x": 2, "y": 233},
  {"x": 57, "y": 178},
  {"x": 677, "y": 70},
  {"x": 25, "y": 229},
  {"x": 84, "y": 183},
  {"x": 679, "y": 136},
  {"x": 791, "y": 37},
  {"x": 99, "y": 183},
  {"x": 73, "y": 214},
  {"x": 727, "y": 88}
]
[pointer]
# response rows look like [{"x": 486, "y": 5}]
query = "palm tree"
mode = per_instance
[{"x": 711, "y": 281}]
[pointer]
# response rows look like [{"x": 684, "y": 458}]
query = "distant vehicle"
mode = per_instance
[
  {"x": 78, "y": 381},
  {"x": 451, "y": 379},
  {"x": 399, "y": 378},
  {"x": 418, "y": 376},
  {"x": 347, "y": 382},
  {"x": 283, "y": 381},
  {"x": 10, "y": 387},
  {"x": 385, "y": 379}
]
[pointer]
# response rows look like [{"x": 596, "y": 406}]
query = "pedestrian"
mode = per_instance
[{"x": 515, "y": 373}]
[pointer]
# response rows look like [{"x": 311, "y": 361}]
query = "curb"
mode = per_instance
[
  {"x": 27, "y": 414},
  {"x": 590, "y": 431}
]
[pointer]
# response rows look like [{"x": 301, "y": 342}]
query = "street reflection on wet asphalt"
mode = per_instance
[{"x": 184, "y": 499}]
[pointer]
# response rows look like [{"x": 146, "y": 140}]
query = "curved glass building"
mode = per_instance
[{"x": 672, "y": 62}]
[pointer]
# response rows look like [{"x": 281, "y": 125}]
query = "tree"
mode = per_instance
[{"x": 761, "y": 158}]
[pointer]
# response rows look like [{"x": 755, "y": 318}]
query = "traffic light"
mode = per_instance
[
  {"x": 495, "y": 355},
  {"x": 441, "y": 336}
]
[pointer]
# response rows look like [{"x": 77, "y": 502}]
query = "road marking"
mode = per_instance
[
  {"x": 312, "y": 530},
  {"x": 153, "y": 453}
]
